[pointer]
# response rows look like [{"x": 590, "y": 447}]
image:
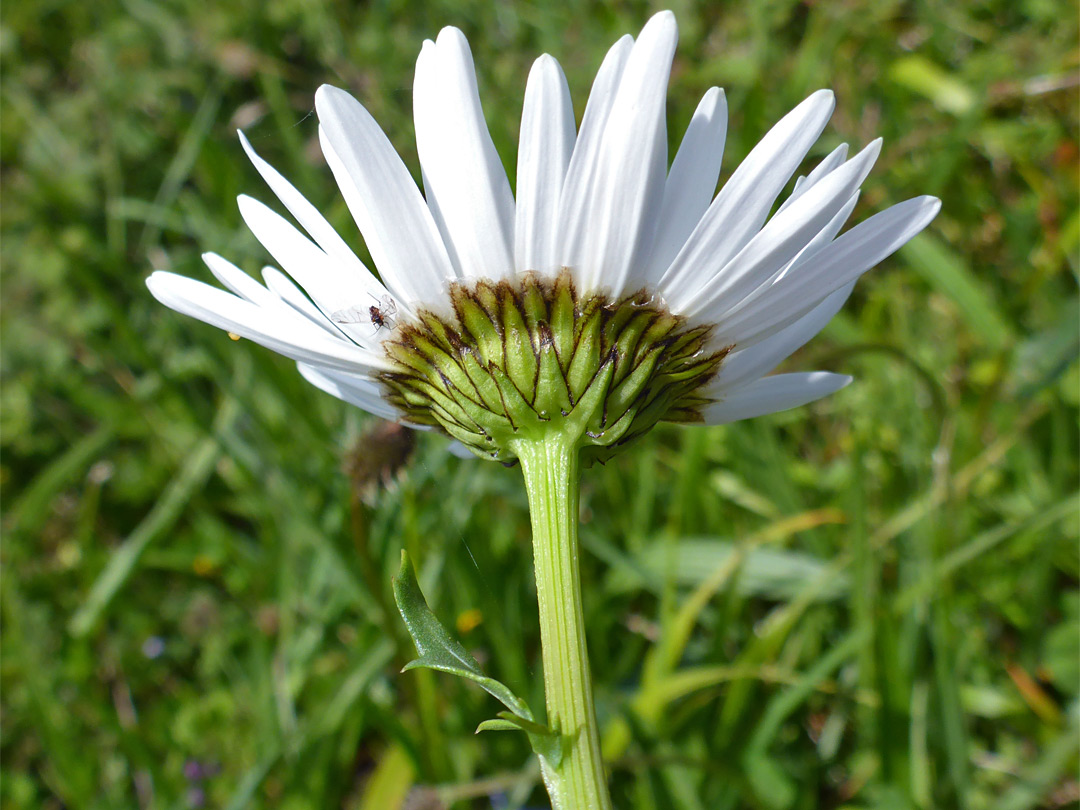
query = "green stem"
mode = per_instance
[{"x": 551, "y": 478}]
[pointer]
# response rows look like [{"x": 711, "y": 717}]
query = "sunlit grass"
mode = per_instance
[{"x": 868, "y": 603}]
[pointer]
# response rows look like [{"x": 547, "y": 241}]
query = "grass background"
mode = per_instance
[{"x": 195, "y": 561}]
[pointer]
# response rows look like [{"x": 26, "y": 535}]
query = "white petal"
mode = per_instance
[
  {"x": 823, "y": 238},
  {"x": 772, "y": 394},
  {"x": 240, "y": 282},
  {"x": 363, "y": 393},
  {"x": 547, "y": 141},
  {"x": 306, "y": 214},
  {"x": 269, "y": 301},
  {"x": 776, "y": 244},
  {"x": 316, "y": 271},
  {"x": 330, "y": 287},
  {"x": 833, "y": 160},
  {"x": 745, "y": 200},
  {"x": 464, "y": 178},
  {"x": 293, "y": 337},
  {"x": 761, "y": 358},
  {"x": 283, "y": 287},
  {"x": 832, "y": 267},
  {"x": 383, "y": 199},
  {"x": 574, "y": 207},
  {"x": 691, "y": 182},
  {"x": 625, "y": 191}
]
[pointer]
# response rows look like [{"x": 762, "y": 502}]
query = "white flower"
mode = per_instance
[{"x": 598, "y": 201}]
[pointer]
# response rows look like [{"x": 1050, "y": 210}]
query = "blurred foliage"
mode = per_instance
[{"x": 876, "y": 606}]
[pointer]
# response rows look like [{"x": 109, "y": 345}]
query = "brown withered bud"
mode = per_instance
[{"x": 378, "y": 456}]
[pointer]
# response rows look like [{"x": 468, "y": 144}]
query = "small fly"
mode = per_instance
[{"x": 381, "y": 314}]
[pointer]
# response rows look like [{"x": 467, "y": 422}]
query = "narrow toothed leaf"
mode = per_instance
[{"x": 437, "y": 649}]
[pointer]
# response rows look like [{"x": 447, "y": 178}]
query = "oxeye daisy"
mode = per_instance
[
  {"x": 612, "y": 283},
  {"x": 557, "y": 324}
]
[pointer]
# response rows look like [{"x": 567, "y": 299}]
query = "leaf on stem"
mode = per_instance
[
  {"x": 438, "y": 650},
  {"x": 549, "y": 745}
]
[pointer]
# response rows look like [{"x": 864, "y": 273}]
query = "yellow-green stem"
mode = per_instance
[{"x": 551, "y": 470}]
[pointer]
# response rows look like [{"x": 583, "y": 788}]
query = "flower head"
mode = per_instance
[{"x": 611, "y": 293}]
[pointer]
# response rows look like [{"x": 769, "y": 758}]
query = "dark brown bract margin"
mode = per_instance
[{"x": 518, "y": 360}]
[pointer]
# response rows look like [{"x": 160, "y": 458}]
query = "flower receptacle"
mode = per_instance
[{"x": 526, "y": 360}]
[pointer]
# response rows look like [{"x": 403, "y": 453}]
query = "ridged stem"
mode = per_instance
[{"x": 551, "y": 470}]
